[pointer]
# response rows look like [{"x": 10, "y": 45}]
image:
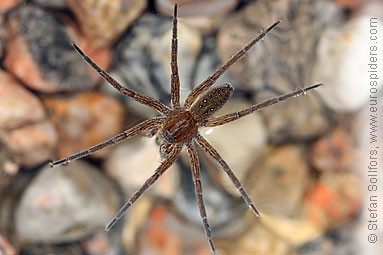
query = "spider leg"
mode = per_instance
[
  {"x": 175, "y": 79},
  {"x": 217, "y": 121},
  {"x": 139, "y": 128},
  {"x": 215, "y": 155},
  {"x": 222, "y": 69},
  {"x": 151, "y": 102},
  {"x": 198, "y": 191},
  {"x": 176, "y": 150}
]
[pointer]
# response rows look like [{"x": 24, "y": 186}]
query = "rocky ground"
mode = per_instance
[{"x": 299, "y": 160}]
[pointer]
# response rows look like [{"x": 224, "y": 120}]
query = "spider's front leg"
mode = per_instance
[
  {"x": 175, "y": 151},
  {"x": 140, "y": 128},
  {"x": 151, "y": 102},
  {"x": 217, "y": 121},
  {"x": 221, "y": 70}
]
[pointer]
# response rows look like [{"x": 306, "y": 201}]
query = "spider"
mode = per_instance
[{"x": 177, "y": 126}]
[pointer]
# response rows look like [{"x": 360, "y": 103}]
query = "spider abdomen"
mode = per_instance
[
  {"x": 179, "y": 126},
  {"x": 210, "y": 102}
]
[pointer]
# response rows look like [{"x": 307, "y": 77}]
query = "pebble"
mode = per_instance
[
  {"x": 351, "y": 4},
  {"x": 18, "y": 106},
  {"x": 6, "y": 5},
  {"x": 32, "y": 144},
  {"x": 134, "y": 161},
  {"x": 277, "y": 184},
  {"x": 334, "y": 152},
  {"x": 334, "y": 200},
  {"x": 5, "y": 247},
  {"x": 298, "y": 119},
  {"x": 343, "y": 50},
  {"x": 84, "y": 119},
  {"x": 76, "y": 199},
  {"x": 202, "y": 15},
  {"x": 273, "y": 63},
  {"x": 40, "y": 54},
  {"x": 3, "y": 36},
  {"x": 57, "y": 4},
  {"x": 104, "y": 21},
  {"x": 165, "y": 233},
  {"x": 296, "y": 230},
  {"x": 240, "y": 143},
  {"x": 257, "y": 240},
  {"x": 143, "y": 62}
]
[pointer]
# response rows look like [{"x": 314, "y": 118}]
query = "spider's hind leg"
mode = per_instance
[
  {"x": 173, "y": 155},
  {"x": 198, "y": 191},
  {"x": 215, "y": 155}
]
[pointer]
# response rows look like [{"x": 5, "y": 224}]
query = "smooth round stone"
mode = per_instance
[
  {"x": 104, "y": 21},
  {"x": 203, "y": 15},
  {"x": 134, "y": 161},
  {"x": 84, "y": 119},
  {"x": 32, "y": 144},
  {"x": 239, "y": 143},
  {"x": 256, "y": 240},
  {"x": 346, "y": 50},
  {"x": 40, "y": 53},
  {"x": 76, "y": 199},
  {"x": 59, "y": 4},
  {"x": 18, "y": 106},
  {"x": 6, "y": 5},
  {"x": 277, "y": 184}
]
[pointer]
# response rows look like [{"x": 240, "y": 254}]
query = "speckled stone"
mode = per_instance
[
  {"x": 32, "y": 144},
  {"x": 334, "y": 152},
  {"x": 18, "y": 106},
  {"x": 59, "y": 4},
  {"x": 334, "y": 200},
  {"x": 283, "y": 61},
  {"x": 348, "y": 49},
  {"x": 143, "y": 62},
  {"x": 104, "y": 21},
  {"x": 297, "y": 119},
  {"x": 83, "y": 120},
  {"x": 277, "y": 184},
  {"x": 202, "y": 15},
  {"x": 40, "y": 54},
  {"x": 75, "y": 199}
]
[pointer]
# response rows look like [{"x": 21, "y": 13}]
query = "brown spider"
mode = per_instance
[{"x": 178, "y": 126}]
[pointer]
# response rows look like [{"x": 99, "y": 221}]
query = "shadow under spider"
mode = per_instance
[{"x": 178, "y": 125}]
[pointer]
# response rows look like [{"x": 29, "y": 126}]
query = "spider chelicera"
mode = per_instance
[{"x": 178, "y": 125}]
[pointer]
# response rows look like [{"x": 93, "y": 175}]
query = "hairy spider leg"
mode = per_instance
[
  {"x": 175, "y": 79},
  {"x": 146, "y": 100},
  {"x": 217, "y": 121},
  {"x": 215, "y": 155},
  {"x": 198, "y": 191},
  {"x": 138, "y": 129},
  {"x": 222, "y": 69},
  {"x": 173, "y": 155}
]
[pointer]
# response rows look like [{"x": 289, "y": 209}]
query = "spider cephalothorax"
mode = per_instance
[{"x": 177, "y": 126}]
